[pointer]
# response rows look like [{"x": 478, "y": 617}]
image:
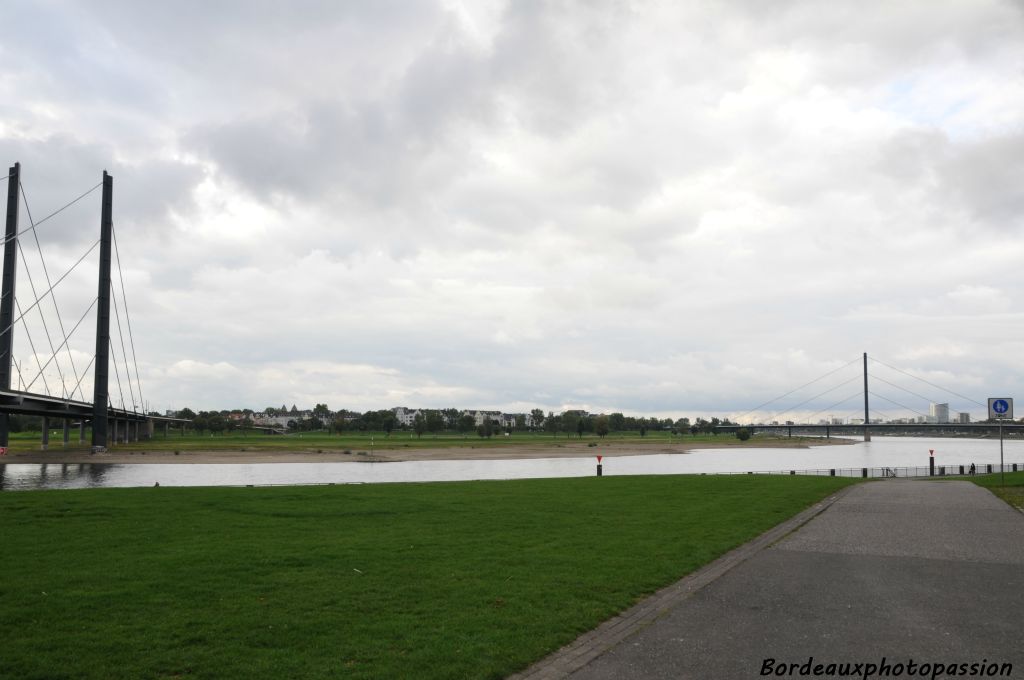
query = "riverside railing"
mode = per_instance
[{"x": 895, "y": 472}]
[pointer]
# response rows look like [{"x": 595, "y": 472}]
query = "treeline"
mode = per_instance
[{"x": 435, "y": 421}]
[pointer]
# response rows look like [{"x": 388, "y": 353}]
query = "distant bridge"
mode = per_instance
[{"x": 904, "y": 429}]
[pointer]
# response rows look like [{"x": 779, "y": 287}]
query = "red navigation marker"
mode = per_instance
[
  {"x": 931, "y": 452},
  {"x": 599, "y": 458}
]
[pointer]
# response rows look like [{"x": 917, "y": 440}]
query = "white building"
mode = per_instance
[
  {"x": 963, "y": 418},
  {"x": 940, "y": 412},
  {"x": 405, "y": 416}
]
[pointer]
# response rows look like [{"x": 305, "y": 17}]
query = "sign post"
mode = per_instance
[
  {"x": 931, "y": 462},
  {"x": 1000, "y": 408},
  {"x": 599, "y": 465}
]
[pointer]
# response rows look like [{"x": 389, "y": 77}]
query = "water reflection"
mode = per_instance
[{"x": 881, "y": 452}]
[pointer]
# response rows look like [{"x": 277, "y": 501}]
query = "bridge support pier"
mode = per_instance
[
  {"x": 113, "y": 424},
  {"x": 81, "y": 431},
  {"x": 67, "y": 432},
  {"x": 46, "y": 434},
  {"x": 167, "y": 427}
]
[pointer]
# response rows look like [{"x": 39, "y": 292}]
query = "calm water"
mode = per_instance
[{"x": 882, "y": 452}]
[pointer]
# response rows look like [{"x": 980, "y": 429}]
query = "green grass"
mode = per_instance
[
  {"x": 1012, "y": 493},
  {"x": 446, "y": 580},
  {"x": 368, "y": 441}
]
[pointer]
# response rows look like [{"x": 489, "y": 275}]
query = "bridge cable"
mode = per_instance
[
  {"x": 66, "y": 339},
  {"x": 42, "y": 317},
  {"x": 940, "y": 387},
  {"x": 46, "y": 273},
  {"x": 822, "y": 377},
  {"x": 50, "y": 290},
  {"x": 31, "y": 343},
  {"x": 856, "y": 377},
  {"x": 124, "y": 354},
  {"x": 85, "y": 372},
  {"x": 54, "y": 213},
  {"x": 21, "y": 380},
  {"x": 904, "y": 389},
  {"x": 838, "y": 403},
  {"x": 906, "y": 408},
  {"x": 117, "y": 374},
  {"x": 128, "y": 318}
]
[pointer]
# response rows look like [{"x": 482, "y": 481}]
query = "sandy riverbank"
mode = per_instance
[{"x": 554, "y": 450}]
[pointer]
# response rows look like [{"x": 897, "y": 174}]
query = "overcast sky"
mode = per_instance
[{"x": 659, "y": 208}]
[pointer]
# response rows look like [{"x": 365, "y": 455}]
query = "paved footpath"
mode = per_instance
[{"x": 931, "y": 572}]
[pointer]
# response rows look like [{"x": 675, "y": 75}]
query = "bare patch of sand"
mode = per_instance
[{"x": 565, "y": 449}]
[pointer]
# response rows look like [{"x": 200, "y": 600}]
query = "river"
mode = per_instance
[{"x": 882, "y": 452}]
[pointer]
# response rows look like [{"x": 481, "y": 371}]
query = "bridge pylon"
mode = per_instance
[
  {"x": 101, "y": 375},
  {"x": 10, "y": 276}
]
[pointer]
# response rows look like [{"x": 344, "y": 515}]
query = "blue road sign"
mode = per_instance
[{"x": 1000, "y": 408}]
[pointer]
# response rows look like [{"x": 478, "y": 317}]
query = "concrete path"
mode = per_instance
[{"x": 929, "y": 572}]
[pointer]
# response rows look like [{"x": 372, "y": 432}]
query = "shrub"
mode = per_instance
[{"x": 743, "y": 434}]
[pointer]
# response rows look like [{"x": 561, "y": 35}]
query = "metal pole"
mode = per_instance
[
  {"x": 867, "y": 433},
  {"x": 1002, "y": 471},
  {"x": 100, "y": 396},
  {"x": 7, "y": 301}
]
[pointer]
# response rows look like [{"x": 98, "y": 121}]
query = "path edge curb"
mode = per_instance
[{"x": 592, "y": 644}]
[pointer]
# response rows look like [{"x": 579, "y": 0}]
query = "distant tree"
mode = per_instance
[
  {"x": 485, "y": 429},
  {"x": 537, "y": 418},
  {"x": 200, "y": 422},
  {"x": 553, "y": 423},
  {"x": 601, "y": 426},
  {"x": 451, "y": 418},
  {"x": 247, "y": 424},
  {"x": 743, "y": 434},
  {"x": 569, "y": 421},
  {"x": 322, "y": 412},
  {"x": 187, "y": 413},
  {"x": 388, "y": 421},
  {"x": 215, "y": 423},
  {"x": 435, "y": 422},
  {"x": 643, "y": 428},
  {"x": 338, "y": 424},
  {"x": 616, "y": 422},
  {"x": 521, "y": 421},
  {"x": 580, "y": 426},
  {"x": 466, "y": 423},
  {"x": 419, "y": 424}
]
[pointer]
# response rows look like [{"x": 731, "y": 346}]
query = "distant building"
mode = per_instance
[
  {"x": 405, "y": 416},
  {"x": 940, "y": 412},
  {"x": 963, "y": 417}
]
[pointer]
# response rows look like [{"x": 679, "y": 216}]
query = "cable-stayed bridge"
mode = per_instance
[
  {"x": 120, "y": 419},
  {"x": 796, "y": 413}
]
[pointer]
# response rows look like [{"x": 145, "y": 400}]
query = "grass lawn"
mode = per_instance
[
  {"x": 444, "y": 580},
  {"x": 370, "y": 441},
  {"x": 1012, "y": 493}
]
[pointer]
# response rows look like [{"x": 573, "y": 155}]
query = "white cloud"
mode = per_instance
[{"x": 671, "y": 208}]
